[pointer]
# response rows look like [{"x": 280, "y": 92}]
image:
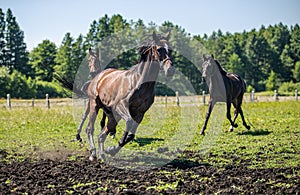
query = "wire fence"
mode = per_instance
[{"x": 196, "y": 100}]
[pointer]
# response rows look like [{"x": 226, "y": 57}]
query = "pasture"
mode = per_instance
[{"x": 168, "y": 155}]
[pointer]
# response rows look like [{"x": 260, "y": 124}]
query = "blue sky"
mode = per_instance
[{"x": 52, "y": 19}]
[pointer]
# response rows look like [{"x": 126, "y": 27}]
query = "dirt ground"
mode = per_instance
[{"x": 181, "y": 176}]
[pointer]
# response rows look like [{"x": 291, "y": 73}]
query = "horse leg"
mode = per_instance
[
  {"x": 128, "y": 136},
  {"x": 210, "y": 108},
  {"x": 90, "y": 129},
  {"x": 244, "y": 122},
  {"x": 101, "y": 139},
  {"x": 102, "y": 123},
  {"x": 236, "y": 113},
  {"x": 110, "y": 127},
  {"x": 85, "y": 114},
  {"x": 229, "y": 115}
]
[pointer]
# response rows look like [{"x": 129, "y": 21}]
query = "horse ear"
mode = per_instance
[
  {"x": 167, "y": 36},
  {"x": 90, "y": 51},
  {"x": 204, "y": 57},
  {"x": 154, "y": 36},
  {"x": 212, "y": 55}
]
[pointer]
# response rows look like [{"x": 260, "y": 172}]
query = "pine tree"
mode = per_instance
[
  {"x": 63, "y": 58},
  {"x": 2, "y": 38},
  {"x": 16, "y": 54}
]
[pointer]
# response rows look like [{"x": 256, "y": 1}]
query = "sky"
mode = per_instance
[{"x": 52, "y": 19}]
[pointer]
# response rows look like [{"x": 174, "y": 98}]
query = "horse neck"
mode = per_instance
[
  {"x": 215, "y": 80},
  {"x": 148, "y": 72}
]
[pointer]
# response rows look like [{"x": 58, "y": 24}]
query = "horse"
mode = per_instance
[
  {"x": 127, "y": 94},
  {"x": 223, "y": 87},
  {"x": 94, "y": 68}
]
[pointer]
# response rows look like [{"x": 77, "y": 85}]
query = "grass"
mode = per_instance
[{"x": 165, "y": 132}]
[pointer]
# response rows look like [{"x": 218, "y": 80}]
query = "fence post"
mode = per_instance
[
  {"x": 252, "y": 96},
  {"x": 32, "y": 102},
  {"x": 203, "y": 97},
  {"x": 47, "y": 101},
  {"x": 177, "y": 98},
  {"x": 296, "y": 94},
  {"x": 276, "y": 95},
  {"x": 166, "y": 100},
  {"x": 8, "y": 101}
]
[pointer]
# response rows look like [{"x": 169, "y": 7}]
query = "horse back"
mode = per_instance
[
  {"x": 112, "y": 86},
  {"x": 236, "y": 84}
]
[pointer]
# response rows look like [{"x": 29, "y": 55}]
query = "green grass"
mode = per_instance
[{"x": 273, "y": 140}]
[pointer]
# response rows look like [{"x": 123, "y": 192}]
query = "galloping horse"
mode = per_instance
[
  {"x": 127, "y": 94},
  {"x": 223, "y": 87},
  {"x": 94, "y": 68}
]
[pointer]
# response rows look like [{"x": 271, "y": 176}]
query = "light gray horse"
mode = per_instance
[{"x": 223, "y": 87}]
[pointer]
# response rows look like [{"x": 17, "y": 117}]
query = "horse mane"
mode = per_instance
[
  {"x": 144, "y": 50},
  {"x": 146, "y": 46},
  {"x": 221, "y": 69}
]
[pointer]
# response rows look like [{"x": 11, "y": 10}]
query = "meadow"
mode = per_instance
[{"x": 168, "y": 135}]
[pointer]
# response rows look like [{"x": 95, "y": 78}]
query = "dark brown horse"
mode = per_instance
[
  {"x": 223, "y": 87},
  {"x": 127, "y": 94}
]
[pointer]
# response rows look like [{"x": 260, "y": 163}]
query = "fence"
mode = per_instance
[
  {"x": 166, "y": 100},
  {"x": 46, "y": 103}
]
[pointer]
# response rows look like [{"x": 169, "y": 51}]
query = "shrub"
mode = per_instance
[
  {"x": 288, "y": 87},
  {"x": 44, "y": 87}
]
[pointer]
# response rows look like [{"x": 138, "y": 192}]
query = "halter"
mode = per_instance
[{"x": 156, "y": 56}]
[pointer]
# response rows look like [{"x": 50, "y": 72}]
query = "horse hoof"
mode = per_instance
[
  {"x": 231, "y": 129},
  {"x": 202, "y": 133},
  {"x": 235, "y": 125},
  {"x": 112, "y": 150},
  {"x": 78, "y": 138},
  {"x": 92, "y": 158},
  {"x": 248, "y": 127}
]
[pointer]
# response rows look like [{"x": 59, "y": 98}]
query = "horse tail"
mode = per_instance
[
  {"x": 244, "y": 85},
  {"x": 68, "y": 84}
]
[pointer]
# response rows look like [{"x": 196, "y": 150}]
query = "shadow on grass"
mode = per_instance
[
  {"x": 145, "y": 141},
  {"x": 180, "y": 163},
  {"x": 256, "y": 132}
]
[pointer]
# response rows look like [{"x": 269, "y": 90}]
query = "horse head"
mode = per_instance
[
  {"x": 94, "y": 62},
  {"x": 207, "y": 66},
  {"x": 163, "y": 53}
]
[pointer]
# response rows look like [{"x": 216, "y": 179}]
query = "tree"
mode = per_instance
[
  {"x": 70, "y": 55},
  {"x": 271, "y": 82},
  {"x": 16, "y": 54},
  {"x": 258, "y": 66},
  {"x": 296, "y": 72},
  {"x": 295, "y": 40},
  {"x": 235, "y": 64},
  {"x": 287, "y": 61},
  {"x": 2, "y": 38},
  {"x": 42, "y": 60},
  {"x": 63, "y": 60},
  {"x": 5, "y": 81}
]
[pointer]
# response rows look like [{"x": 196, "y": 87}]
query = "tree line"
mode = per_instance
[{"x": 267, "y": 58}]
